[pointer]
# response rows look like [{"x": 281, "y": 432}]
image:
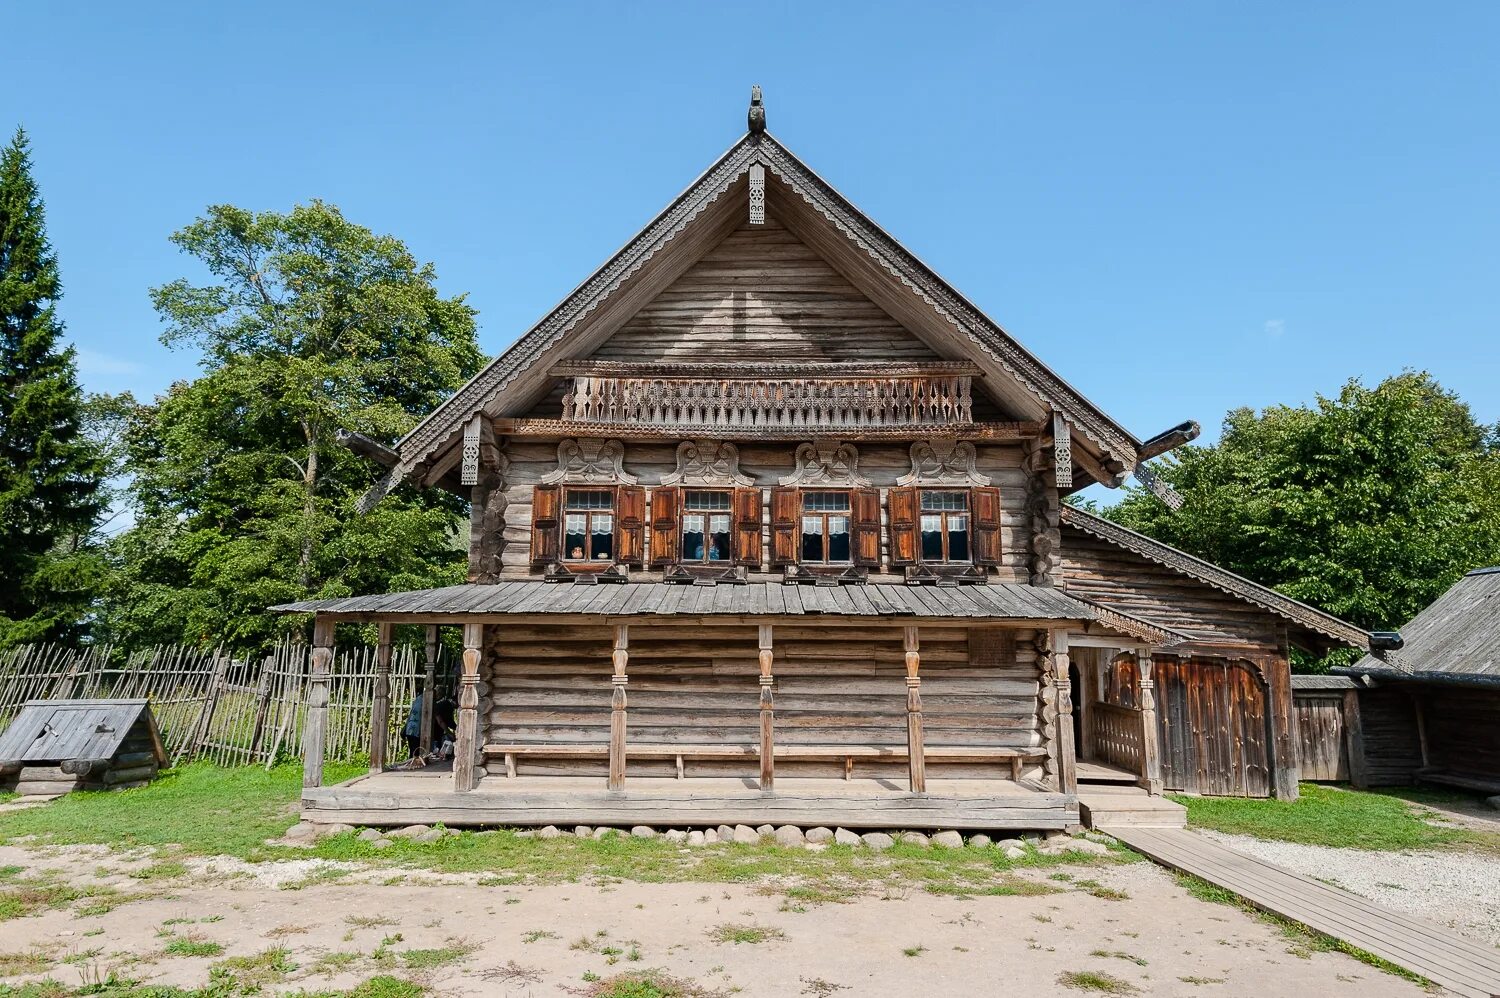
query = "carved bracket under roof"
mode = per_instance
[
  {"x": 943, "y": 461},
  {"x": 826, "y": 462},
  {"x": 707, "y": 462},
  {"x": 590, "y": 461}
]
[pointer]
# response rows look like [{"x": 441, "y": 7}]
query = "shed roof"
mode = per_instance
[
  {"x": 1455, "y": 640},
  {"x": 645, "y": 599},
  {"x": 1323, "y": 683},
  {"x": 57, "y": 730}
]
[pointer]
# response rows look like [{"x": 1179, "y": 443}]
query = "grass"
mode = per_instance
[
  {"x": 1304, "y": 940},
  {"x": 1330, "y": 816},
  {"x": 33, "y": 961},
  {"x": 652, "y": 983},
  {"x": 731, "y": 932},
  {"x": 193, "y": 947},
  {"x": 220, "y": 986},
  {"x": 22, "y": 896},
  {"x": 1090, "y": 980}
]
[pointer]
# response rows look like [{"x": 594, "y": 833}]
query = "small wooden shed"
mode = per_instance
[{"x": 56, "y": 746}]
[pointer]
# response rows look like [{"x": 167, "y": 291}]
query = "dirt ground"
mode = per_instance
[{"x": 1130, "y": 922}]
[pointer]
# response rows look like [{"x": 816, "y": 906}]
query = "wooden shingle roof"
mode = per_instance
[
  {"x": 1455, "y": 640},
  {"x": 57, "y": 730},
  {"x": 647, "y": 599}
]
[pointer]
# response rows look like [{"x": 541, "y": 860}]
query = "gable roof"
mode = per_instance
[
  {"x": 1456, "y": 639},
  {"x": 688, "y": 228},
  {"x": 58, "y": 730},
  {"x": 1196, "y": 568}
]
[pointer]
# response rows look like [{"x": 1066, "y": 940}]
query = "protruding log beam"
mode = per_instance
[
  {"x": 429, "y": 690},
  {"x": 315, "y": 726},
  {"x": 1151, "y": 778},
  {"x": 466, "y": 746},
  {"x": 767, "y": 713},
  {"x": 1067, "y": 761},
  {"x": 619, "y": 660},
  {"x": 380, "y": 712},
  {"x": 916, "y": 760}
]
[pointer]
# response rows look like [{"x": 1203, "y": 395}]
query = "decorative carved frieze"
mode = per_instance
[
  {"x": 757, "y": 194},
  {"x": 943, "y": 461},
  {"x": 707, "y": 462},
  {"x": 826, "y": 462},
  {"x": 590, "y": 461}
]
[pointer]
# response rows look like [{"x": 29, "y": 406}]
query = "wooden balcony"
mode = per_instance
[{"x": 810, "y": 398}]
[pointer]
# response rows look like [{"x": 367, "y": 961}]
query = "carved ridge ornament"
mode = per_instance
[
  {"x": 943, "y": 461},
  {"x": 590, "y": 462},
  {"x": 826, "y": 462},
  {"x": 707, "y": 462}
]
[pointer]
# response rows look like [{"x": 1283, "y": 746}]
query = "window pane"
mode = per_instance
[
  {"x": 692, "y": 537},
  {"x": 590, "y": 499},
  {"x": 812, "y": 538},
  {"x": 825, "y": 501},
  {"x": 604, "y": 538},
  {"x": 940, "y": 501},
  {"x": 718, "y": 546},
  {"x": 838, "y": 538},
  {"x": 958, "y": 537},
  {"x": 932, "y": 538},
  {"x": 574, "y": 536},
  {"x": 707, "y": 500}
]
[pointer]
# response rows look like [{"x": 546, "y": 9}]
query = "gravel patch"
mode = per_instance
[{"x": 1457, "y": 889}]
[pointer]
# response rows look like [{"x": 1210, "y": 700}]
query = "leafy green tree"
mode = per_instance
[
  {"x": 1368, "y": 505},
  {"x": 242, "y": 497},
  {"x": 50, "y": 472}
]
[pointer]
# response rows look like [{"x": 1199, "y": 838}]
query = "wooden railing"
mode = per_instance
[
  {"x": 821, "y": 403},
  {"x": 1118, "y": 736}
]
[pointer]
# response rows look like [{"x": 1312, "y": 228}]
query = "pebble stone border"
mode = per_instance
[{"x": 787, "y": 836}]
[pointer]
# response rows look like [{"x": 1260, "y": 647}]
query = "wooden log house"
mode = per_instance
[{"x": 768, "y": 526}]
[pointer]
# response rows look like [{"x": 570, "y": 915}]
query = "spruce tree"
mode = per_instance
[{"x": 50, "y": 472}]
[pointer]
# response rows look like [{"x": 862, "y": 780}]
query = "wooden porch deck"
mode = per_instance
[
  {"x": 1441, "y": 956},
  {"x": 428, "y": 796}
]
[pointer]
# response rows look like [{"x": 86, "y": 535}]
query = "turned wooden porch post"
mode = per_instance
[
  {"x": 767, "y": 713},
  {"x": 619, "y": 660},
  {"x": 380, "y": 711},
  {"x": 916, "y": 761},
  {"x": 1150, "y": 743},
  {"x": 1067, "y": 762},
  {"x": 429, "y": 683},
  {"x": 315, "y": 725},
  {"x": 466, "y": 747}
]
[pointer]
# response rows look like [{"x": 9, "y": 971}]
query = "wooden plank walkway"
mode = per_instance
[{"x": 1438, "y": 954}]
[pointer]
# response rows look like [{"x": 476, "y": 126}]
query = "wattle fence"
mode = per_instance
[{"x": 215, "y": 705}]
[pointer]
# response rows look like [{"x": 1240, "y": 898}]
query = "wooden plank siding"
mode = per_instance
[
  {"x": 697, "y": 686},
  {"x": 1322, "y": 739}
]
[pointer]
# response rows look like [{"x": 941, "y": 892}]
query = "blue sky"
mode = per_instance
[{"x": 1180, "y": 208}]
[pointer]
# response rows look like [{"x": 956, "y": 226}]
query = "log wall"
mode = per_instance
[
  {"x": 1463, "y": 731},
  {"x": 692, "y": 685},
  {"x": 1392, "y": 751}
]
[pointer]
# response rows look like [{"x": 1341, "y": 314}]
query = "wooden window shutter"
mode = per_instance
[
  {"x": 630, "y": 524},
  {"x": 866, "y": 503},
  {"x": 785, "y": 511},
  {"x": 985, "y": 504},
  {"x": 747, "y": 527},
  {"x": 901, "y": 504},
  {"x": 544, "y": 524},
  {"x": 666, "y": 538}
]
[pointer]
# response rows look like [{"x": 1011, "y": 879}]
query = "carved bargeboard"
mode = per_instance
[{"x": 590, "y": 462}]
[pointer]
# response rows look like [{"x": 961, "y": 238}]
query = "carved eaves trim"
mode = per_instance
[
  {"x": 590, "y": 461},
  {"x": 1212, "y": 575}
]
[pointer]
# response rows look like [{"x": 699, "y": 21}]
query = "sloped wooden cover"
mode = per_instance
[
  {"x": 1456, "y": 639},
  {"x": 56, "y": 730}
]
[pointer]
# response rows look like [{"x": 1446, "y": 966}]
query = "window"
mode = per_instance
[
  {"x": 945, "y": 526},
  {"x": 705, "y": 526},
  {"x": 825, "y": 528},
  {"x": 589, "y": 525}
]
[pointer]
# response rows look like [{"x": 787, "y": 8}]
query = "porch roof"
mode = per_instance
[{"x": 643, "y": 599}]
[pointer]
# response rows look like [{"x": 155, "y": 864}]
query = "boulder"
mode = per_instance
[
  {"x": 789, "y": 835},
  {"x": 711, "y": 836},
  {"x": 745, "y": 835},
  {"x": 409, "y": 832},
  {"x": 643, "y": 832},
  {"x": 844, "y": 837},
  {"x": 675, "y": 835},
  {"x": 583, "y": 831},
  {"x": 337, "y": 828},
  {"x": 382, "y": 843},
  {"x": 1010, "y": 844},
  {"x": 696, "y": 838},
  {"x": 915, "y": 839},
  {"x": 766, "y": 829},
  {"x": 550, "y": 832},
  {"x": 877, "y": 840},
  {"x": 428, "y": 837},
  {"x": 980, "y": 841},
  {"x": 600, "y": 833},
  {"x": 303, "y": 833},
  {"x": 726, "y": 833},
  {"x": 1084, "y": 845},
  {"x": 948, "y": 840},
  {"x": 370, "y": 834},
  {"x": 819, "y": 835},
  {"x": 1013, "y": 852}
]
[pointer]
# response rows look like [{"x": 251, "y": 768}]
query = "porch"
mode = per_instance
[{"x": 428, "y": 796}]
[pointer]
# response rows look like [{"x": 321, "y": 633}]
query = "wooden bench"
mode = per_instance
[{"x": 791, "y": 753}]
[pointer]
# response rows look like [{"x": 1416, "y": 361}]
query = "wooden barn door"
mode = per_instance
[
  {"x": 1212, "y": 725},
  {"x": 1322, "y": 746}
]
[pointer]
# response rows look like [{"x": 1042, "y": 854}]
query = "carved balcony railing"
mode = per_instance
[{"x": 773, "y": 397}]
